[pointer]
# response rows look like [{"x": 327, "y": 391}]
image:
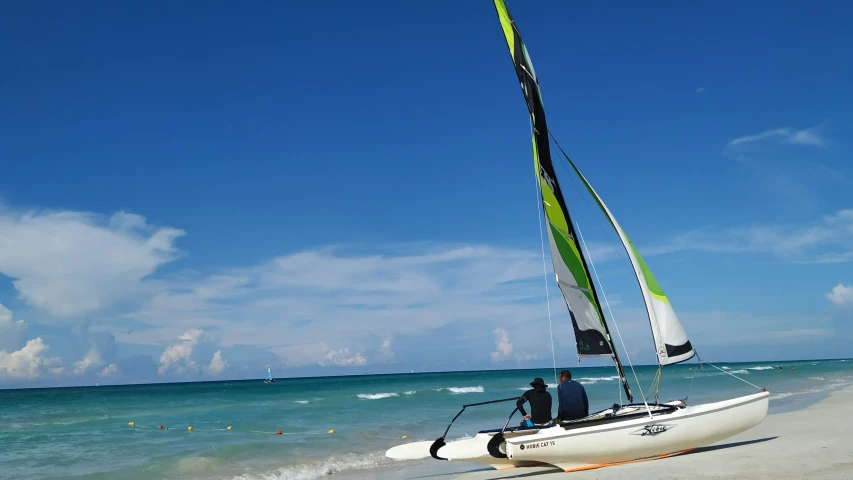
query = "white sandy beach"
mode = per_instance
[{"x": 813, "y": 443}]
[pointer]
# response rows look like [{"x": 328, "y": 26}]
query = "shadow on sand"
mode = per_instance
[{"x": 730, "y": 445}]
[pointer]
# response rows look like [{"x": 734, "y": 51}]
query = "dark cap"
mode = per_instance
[{"x": 537, "y": 381}]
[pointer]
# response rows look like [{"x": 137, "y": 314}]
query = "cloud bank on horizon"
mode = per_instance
[{"x": 335, "y": 308}]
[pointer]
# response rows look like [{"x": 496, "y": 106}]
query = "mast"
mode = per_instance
[{"x": 592, "y": 336}]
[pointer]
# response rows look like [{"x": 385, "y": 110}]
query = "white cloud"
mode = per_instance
[
  {"x": 217, "y": 363},
  {"x": 320, "y": 354},
  {"x": 72, "y": 263},
  {"x": 28, "y": 362},
  {"x": 809, "y": 136},
  {"x": 600, "y": 252},
  {"x": 351, "y": 293},
  {"x": 302, "y": 354},
  {"x": 11, "y": 331},
  {"x": 828, "y": 241},
  {"x": 92, "y": 359},
  {"x": 714, "y": 328},
  {"x": 526, "y": 357},
  {"x": 109, "y": 371},
  {"x": 178, "y": 356},
  {"x": 342, "y": 358},
  {"x": 503, "y": 349},
  {"x": 385, "y": 352},
  {"x": 221, "y": 286},
  {"x": 700, "y": 89},
  {"x": 841, "y": 295},
  {"x": 76, "y": 265}
]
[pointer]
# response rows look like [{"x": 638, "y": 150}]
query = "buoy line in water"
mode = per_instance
[
  {"x": 229, "y": 428},
  {"x": 386, "y": 438},
  {"x": 277, "y": 432}
]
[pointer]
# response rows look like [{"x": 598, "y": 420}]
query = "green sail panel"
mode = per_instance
[
  {"x": 671, "y": 340},
  {"x": 592, "y": 336}
]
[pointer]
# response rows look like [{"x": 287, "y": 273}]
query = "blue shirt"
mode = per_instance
[{"x": 572, "y": 400}]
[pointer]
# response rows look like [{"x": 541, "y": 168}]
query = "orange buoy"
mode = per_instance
[{"x": 278, "y": 432}]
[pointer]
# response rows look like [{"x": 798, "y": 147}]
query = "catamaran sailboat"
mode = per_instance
[
  {"x": 622, "y": 433},
  {"x": 269, "y": 378}
]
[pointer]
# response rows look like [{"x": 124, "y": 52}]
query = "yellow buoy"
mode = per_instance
[
  {"x": 189, "y": 429},
  {"x": 131, "y": 424},
  {"x": 229, "y": 427},
  {"x": 405, "y": 436},
  {"x": 331, "y": 432}
]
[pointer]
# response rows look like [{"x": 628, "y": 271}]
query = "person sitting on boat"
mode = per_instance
[
  {"x": 540, "y": 403},
  {"x": 572, "y": 403}
]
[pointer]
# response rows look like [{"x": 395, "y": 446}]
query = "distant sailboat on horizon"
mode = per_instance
[{"x": 269, "y": 378}]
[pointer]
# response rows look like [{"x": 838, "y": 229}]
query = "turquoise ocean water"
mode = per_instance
[{"x": 84, "y": 432}]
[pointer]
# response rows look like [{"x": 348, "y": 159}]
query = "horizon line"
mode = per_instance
[{"x": 253, "y": 379}]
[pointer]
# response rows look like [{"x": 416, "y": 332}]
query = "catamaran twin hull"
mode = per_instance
[{"x": 606, "y": 438}]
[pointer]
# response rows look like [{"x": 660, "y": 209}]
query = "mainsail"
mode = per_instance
[{"x": 592, "y": 336}]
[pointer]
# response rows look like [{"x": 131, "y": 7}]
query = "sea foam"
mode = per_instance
[
  {"x": 377, "y": 396},
  {"x": 320, "y": 468},
  {"x": 458, "y": 390}
]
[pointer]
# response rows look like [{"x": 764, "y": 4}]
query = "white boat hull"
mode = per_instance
[{"x": 616, "y": 441}]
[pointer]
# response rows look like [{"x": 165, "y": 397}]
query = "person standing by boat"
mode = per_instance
[
  {"x": 540, "y": 403},
  {"x": 572, "y": 402}
]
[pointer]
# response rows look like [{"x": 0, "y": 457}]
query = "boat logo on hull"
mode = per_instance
[
  {"x": 548, "y": 443},
  {"x": 652, "y": 430}
]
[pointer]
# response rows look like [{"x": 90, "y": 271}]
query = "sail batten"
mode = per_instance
[{"x": 592, "y": 337}]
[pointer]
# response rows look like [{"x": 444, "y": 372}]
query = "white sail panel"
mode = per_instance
[
  {"x": 671, "y": 340},
  {"x": 591, "y": 337}
]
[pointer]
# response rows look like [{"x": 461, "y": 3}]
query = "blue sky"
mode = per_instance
[{"x": 190, "y": 191}]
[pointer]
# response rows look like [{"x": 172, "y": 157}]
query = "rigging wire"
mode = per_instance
[
  {"x": 655, "y": 384},
  {"x": 539, "y": 214},
  {"x": 610, "y": 240},
  {"x": 658, "y": 375},
  {"x": 732, "y": 374},
  {"x": 613, "y": 319},
  {"x": 577, "y": 189}
]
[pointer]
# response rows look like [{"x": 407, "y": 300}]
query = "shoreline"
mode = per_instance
[{"x": 810, "y": 442}]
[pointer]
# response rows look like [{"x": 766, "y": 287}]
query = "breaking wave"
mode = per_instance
[
  {"x": 321, "y": 468},
  {"x": 301, "y": 402},
  {"x": 458, "y": 390},
  {"x": 410, "y": 392},
  {"x": 763, "y": 367},
  {"x": 592, "y": 380},
  {"x": 832, "y": 384},
  {"x": 377, "y": 396},
  {"x": 583, "y": 381}
]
